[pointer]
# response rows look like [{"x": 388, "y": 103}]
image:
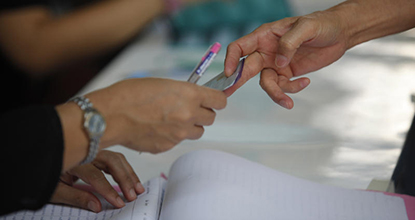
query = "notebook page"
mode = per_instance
[
  {"x": 214, "y": 185},
  {"x": 145, "y": 207}
]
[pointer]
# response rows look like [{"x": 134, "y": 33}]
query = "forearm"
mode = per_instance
[
  {"x": 365, "y": 20},
  {"x": 100, "y": 27},
  {"x": 43, "y": 42}
]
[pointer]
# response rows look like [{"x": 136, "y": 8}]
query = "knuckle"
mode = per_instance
[
  {"x": 180, "y": 134},
  {"x": 262, "y": 82},
  {"x": 265, "y": 26},
  {"x": 287, "y": 44},
  {"x": 119, "y": 156},
  {"x": 96, "y": 176},
  {"x": 200, "y": 133},
  {"x": 223, "y": 100},
  {"x": 232, "y": 45},
  {"x": 211, "y": 119},
  {"x": 184, "y": 116},
  {"x": 162, "y": 147},
  {"x": 126, "y": 177}
]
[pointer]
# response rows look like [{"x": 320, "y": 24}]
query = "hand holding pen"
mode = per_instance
[{"x": 204, "y": 63}]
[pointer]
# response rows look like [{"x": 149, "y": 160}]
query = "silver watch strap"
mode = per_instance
[
  {"x": 93, "y": 151},
  {"x": 85, "y": 105}
]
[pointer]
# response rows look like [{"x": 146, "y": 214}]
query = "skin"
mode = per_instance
[
  {"x": 39, "y": 42},
  {"x": 108, "y": 162},
  {"x": 295, "y": 46},
  {"x": 147, "y": 115}
]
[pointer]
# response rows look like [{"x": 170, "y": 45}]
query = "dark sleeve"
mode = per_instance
[
  {"x": 404, "y": 173},
  {"x": 32, "y": 154},
  {"x": 15, "y": 4}
]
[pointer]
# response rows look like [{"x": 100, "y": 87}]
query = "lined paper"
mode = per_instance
[
  {"x": 214, "y": 185},
  {"x": 145, "y": 207},
  {"x": 206, "y": 185}
]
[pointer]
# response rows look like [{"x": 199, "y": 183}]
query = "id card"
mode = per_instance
[{"x": 221, "y": 82}]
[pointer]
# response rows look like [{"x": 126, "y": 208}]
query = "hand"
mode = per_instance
[
  {"x": 285, "y": 49},
  {"x": 153, "y": 115},
  {"x": 109, "y": 162}
]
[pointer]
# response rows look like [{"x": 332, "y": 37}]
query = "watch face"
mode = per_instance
[{"x": 95, "y": 124}]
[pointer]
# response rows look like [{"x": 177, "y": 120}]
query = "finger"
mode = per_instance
[
  {"x": 237, "y": 49},
  {"x": 300, "y": 32},
  {"x": 206, "y": 116},
  {"x": 250, "y": 43},
  {"x": 93, "y": 176},
  {"x": 212, "y": 98},
  {"x": 196, "y": 132},
  {"x": 294, "y": 86},
  {"x": 254, "y": 63},
  {"x": 121, "y": 171},
  {"x": 290, "y": 86},
  {"x": 68, "y": 195},
  {"x": 67, "y": 179},
  {"x": 138, "y": 186},
  {"x": 269, "y": 82}
]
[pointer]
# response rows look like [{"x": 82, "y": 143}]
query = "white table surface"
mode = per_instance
[{"x": 346, "y": 128}]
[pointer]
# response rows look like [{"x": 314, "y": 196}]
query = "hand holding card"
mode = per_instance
[{"x": 221, "y": 82}]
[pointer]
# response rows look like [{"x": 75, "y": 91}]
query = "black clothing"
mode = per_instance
[
  {"x": 25, "y": 90},
  {"x": 404, "y": 173},
  {"x": 32, "y": 155},
  {"x": 31, "y": 137}
]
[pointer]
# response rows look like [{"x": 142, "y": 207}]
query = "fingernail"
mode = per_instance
[
  {"x": 132, "y": 193},
  {"x": 139, "y": 187},
  {"x": 303, "y": 83},
  {"x": 282, "y": 61},
  {"x": 284, "y": 104},
  {"x": 93, "y": 206},
  {"x": 120, "y": 202}
]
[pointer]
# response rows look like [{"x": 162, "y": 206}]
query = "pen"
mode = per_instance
[{"x": 204, "y": 63}]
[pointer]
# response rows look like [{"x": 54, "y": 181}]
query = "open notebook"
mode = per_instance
[{"x": 207, "y": 185}]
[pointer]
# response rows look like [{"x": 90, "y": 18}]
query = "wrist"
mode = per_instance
[
  {"x": 75, "y": 140},
  {"x": 350, "y": 21},
  {"x": 113, "y": 119},
  {"x": 364, "y": 20}
]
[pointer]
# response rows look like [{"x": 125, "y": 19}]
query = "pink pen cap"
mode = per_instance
[
  {"x": 215, "y": 48},
  {"x": 205, "y": 62}
]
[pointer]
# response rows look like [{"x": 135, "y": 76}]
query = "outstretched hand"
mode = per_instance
[{"x": 287, "y": 48}]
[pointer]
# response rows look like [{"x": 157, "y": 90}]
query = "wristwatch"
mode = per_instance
[{"x": 94, "y": 125}]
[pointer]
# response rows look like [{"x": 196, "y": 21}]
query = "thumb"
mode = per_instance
[
  {"x": 300, "y": 32},
  {"x": 69, "y": 195}
]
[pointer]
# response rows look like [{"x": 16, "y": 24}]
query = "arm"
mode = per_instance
[
  {"x": 39, "y": 42},
  {"x": 366, "y": 20},
  {"x": 294, "y": 46},
  {"x": 147, "y": 115}
]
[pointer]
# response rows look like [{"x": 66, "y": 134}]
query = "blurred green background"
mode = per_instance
[{"x": 224, "y": 21}]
